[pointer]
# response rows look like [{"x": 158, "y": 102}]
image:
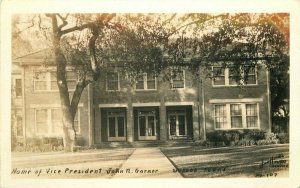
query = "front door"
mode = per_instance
[
  {"x": 177, "y": 125},
  {"x": 147, "y": 125},
  {"x": 116, "y": 126}
]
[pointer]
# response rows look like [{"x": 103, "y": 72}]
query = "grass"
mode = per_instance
[
  {"x": 71, "y": 165},
  {"x": 195, "y": 162}
]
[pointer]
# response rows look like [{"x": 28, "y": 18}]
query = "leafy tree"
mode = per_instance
[{"x": 154, "y": 42}]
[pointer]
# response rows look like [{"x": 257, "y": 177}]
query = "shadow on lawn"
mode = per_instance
[{"x": 230, "y": 161}]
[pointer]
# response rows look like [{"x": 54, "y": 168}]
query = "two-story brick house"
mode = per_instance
[{"x": 112, "y": 110}]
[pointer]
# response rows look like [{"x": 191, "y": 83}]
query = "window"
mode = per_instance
[
  {"x": 18, "y": 121},
  {"x": 116, "y": 125},
  {"x": 18, "y": 87},
  {"x": 220, "y": 116},
  {"x": 236, "y": 116},
  {"x": 146, "y": 82},
  {"x": 41, "y": 121},
  {"x": 40, "y": 81},
  {"x": 47, "y": 81},
  {"x": 218, "y": 76},
  {"x": 250, "y": 71},
  {"x": 251, "y": 115},
  {"x": 231, "y": 76},
  {"x": 177, "y": 80},
  {"x": 48, "y": 121},
  {"x": 112, "y": 81}
]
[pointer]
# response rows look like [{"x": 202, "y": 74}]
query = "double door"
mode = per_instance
[
  {"x": 147, "y": 125},
  {"x": 177, "y": 125}
]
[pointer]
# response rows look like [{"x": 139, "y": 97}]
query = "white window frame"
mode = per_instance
[
  {"x": 49, "y": 122},
  {"x": 115, "y": 116},
  {"x": 227, "y": 82},
  {"x": 228, "y": 116},
  {"x": 15, "y": 78},
  {"x": 48, "y": 80},
  {"x": 172, "y": 87},
  {"x": 111, "y": 90},
  {"x": 213, "y": 81},
  {"x": 145, "y": 83}
]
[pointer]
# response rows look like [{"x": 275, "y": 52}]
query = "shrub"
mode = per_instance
[
  {"x": 41, "y": 145},
  {"x": 245, "y": 137},
  {"x": 283, "y": 138}
]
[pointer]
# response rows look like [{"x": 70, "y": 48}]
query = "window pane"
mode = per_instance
[
  {"x": 151, "y": 126},
  {"x": 121, "y": 127},
  {"x": 220, "y": 116},
  {"x": 56, "y": 120},
  {"x": 112, "y": 127},
  {"x": 233, "y": 76},
  {"x": 218, "y": 76},
  {"x": 236, "y": 122},
  {"x": 41, "y": 115},
  {"x": 251, "y": 121},
  {"x": 140, "y": 85},
  {"x": 57, "y": 126},
  {"x": 18, "y": 87},
  {"x": 56, "y": 115},
  {"x": 178, "y": 79},
  {"x": 220, "y": 122},
  {"x": 54, "y": 85},
  {"x": 236, "y": 116},
  {"x": 142, "y": 121},
  {"x": 181, "y": 124},
  {"x": 251, "y": 109},
  {"x": 178, "y": 84},
  {"x": 220, "y": 110},
  {"x": 219, "y": 80},
  {"x": 53, "y": 76},
  {"x": 151, "y": 84},
  {"x": 19, "y": 126},
  {"x": 251, "y": 79},
  {"x": 41, "y": 127},
  {"x": 251, "y": 112},
  {"x": 41, "y": 121},
  {"x": 172, "y": 124},
  {"x": 235, "y": 109}
]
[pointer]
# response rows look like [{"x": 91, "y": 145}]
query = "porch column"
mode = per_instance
[
  {"x": 196, "y": 125},
  {"x": 163, "y": 121},
  {"x": 129, "y": 116}
]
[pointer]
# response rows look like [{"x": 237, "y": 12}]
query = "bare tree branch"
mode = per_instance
[{"x": 63, "y": 19}]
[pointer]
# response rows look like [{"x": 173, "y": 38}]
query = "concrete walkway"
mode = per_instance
[{"x": 147, "y": 163}]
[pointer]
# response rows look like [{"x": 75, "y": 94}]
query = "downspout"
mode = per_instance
[
  {"x": 23, "y": 105},
  {"x": 203, "y": 110},
  {"x": 269, "y": 101}
]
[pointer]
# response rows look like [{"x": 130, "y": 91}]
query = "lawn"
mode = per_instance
[
  {"x": 87, "y": 164},
  {"x": 251, "y": 161}
]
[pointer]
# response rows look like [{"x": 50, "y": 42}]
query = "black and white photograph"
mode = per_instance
[{"x": 141, "y": 95}]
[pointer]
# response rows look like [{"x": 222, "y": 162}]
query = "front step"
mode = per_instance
[{"x": 141, "y": 144}]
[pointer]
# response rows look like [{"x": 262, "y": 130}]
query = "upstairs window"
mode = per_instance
[
  {"x": 246, "y": 75},
  {"x": 218, "y": 76},
  {"x": 47, "y": 80},
  {"x": 112, "y": 83},
  {"x": 146, "y": 82},
  {"x": 18, "y": 87},
  {"x": 178, "y": 79},
  {"x": 41, "y": 81}
]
